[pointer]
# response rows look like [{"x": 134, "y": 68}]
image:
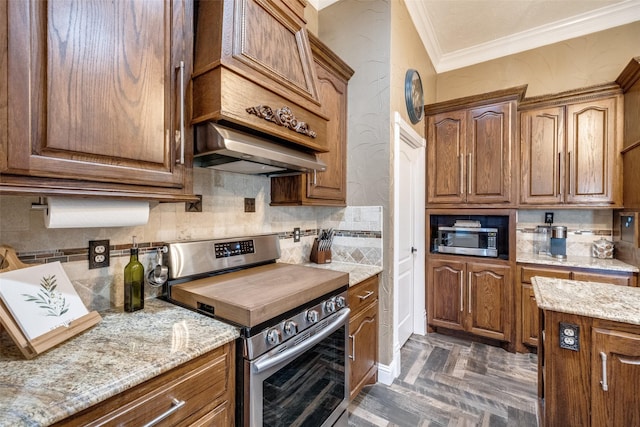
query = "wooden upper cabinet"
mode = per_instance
[
  {"x": 446, "y": 133},
  {"x": 471, "y": 150},
  {"x": 592, "y": 151},
  {"x": 327, "y": 188},
  {"x": 95, "y": 95},
  {"x": 542, "y": 145},
  {"x": 489, "y": 149},
  {"x": 253, "y": 68},
  {"x": 570, "y": 148}
]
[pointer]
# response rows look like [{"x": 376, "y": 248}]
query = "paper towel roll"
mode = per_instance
[{"x": 84, "y": 213}]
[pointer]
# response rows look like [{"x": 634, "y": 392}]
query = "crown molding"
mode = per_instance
[{"x": 598, "y": 20}]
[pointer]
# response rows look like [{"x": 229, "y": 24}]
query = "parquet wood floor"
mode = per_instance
[{"x": 447, "y": 381}]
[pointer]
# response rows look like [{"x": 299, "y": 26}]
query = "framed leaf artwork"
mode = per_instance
[{"x": 40, "y": 298}]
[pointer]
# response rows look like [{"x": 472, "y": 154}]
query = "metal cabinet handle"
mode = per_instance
[
  {"x": 469, "y": 170},
  {"x": 461, "y": 292},
  {"x": 182, "y": 97},
  {"x": 366, "y": 295},
  {"x": 559, "y": 170},
  {"x": 603, "y": 356},
  {"x": 469, "y": 284},
  {"x": 461, "y": 157},
  {"x": 352, "y": 356},
  {"x": 570, "y": 177},
  {"x": 175, "y": 405}
]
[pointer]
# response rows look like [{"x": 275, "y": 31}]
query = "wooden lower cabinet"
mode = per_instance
[
  {"x": 599, "y": 384},
  {"x": 203, "y": 390},
  {"x": 470, "y": 296},
  {"x": 527, "y": 307},
  {"x": 363, "y": 335},
  {"x": 618, "y": 354}
]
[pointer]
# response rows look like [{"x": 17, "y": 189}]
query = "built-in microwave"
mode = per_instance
[{"x": 468, "y": 238}]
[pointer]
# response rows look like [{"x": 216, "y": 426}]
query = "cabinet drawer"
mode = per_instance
[
  {"x": 604, "y": 278},
  {"x": 201, "y": 384},
  {"x": 528, "y": 273},
  {"x": 363, "y": 294}
]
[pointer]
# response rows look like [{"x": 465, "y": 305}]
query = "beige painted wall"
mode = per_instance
[
  {"x": 407, "y": 51},
  {"x": 583, "y": 61}
]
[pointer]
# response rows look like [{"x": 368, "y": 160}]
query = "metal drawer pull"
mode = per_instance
[
  {"x": 352, "y": 356},
  {"x": 603, "y": 356},
  {"x": 176, "y": 404},
  {"x": 365, "y": 296}
]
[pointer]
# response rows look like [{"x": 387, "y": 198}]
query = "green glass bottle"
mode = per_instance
[{"x": 134, "y": 281}]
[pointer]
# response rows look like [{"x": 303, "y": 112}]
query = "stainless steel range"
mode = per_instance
[{"x": 292, "y": 358}]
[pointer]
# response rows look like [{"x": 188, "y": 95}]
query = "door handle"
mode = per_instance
[{"x": 414, "y": 250}]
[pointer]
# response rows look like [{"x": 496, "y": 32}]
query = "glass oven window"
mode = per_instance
[{"x": 309, "y": 388}]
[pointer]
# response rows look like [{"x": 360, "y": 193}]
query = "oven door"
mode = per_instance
[{"x": 305, "y": 384}]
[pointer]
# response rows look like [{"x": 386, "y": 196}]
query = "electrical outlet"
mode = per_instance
[
  {"x": 249, "y": 204},
  {"x": 98, "y": 254},
  {"x": 296, "y": 234},
  {"x": 548, "y": 217},
  {"x": 569, "y": 336}
]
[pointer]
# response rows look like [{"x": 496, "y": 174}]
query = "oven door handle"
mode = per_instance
[{"x": 267, "y": 361}]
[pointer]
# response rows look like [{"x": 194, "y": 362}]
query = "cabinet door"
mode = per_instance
[
  {"x": 617, "y": 354},
  {"x": 488, "y": 151},
  {"x": 592, "y": 154},
  {"x": 331, "y": 184},
  {"x": 363, "y": 329},
  {"x": 446, "y": 294},
  {"x": 488, "y": 304},
  {"x": 530, "y": 316},
  {"x": 94, "y": 90},
  {"x": 446, "y": 134},
  {"x": 542, "y": 146}
]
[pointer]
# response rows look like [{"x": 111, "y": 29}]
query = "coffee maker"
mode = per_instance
[{"x": 558, "y": 242}]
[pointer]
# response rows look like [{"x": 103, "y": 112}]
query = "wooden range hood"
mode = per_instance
[{"x": 253, "y": 70}]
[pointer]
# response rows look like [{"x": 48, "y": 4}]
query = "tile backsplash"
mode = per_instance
[
  {"x": 358, "y": 232},
  {"x": 583, "y": 228}
]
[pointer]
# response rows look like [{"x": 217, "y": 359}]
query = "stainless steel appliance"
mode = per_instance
[
  {"x": 468, "y": 238},
  {"x": 558, "y": 241},
  {"x": 292, "y": 359}
]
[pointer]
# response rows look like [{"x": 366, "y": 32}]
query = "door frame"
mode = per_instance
[{"x": 404, "y": 133}]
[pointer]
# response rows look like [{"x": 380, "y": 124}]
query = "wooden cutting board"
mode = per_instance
[{"x": 255, "y": 295}]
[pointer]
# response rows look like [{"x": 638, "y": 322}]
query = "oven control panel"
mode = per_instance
[{"x": 240, "y": 247}]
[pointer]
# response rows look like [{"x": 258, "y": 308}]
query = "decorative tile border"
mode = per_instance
[{"x": 82, "y": 254}]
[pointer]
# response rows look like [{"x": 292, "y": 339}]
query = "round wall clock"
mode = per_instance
[{"x": 413, "y": 96}]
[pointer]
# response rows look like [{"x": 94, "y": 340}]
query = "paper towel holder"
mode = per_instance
[{"x": 41, "y": 205}]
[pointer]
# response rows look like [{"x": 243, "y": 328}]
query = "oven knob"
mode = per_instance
[
  {"x": 341, "y": 302},
  {"x": 273, "y": 337},
  {"x": 330, "y": 306},
  {"x": 312, "y": 316},
  {"x": 290, "y": 328}
]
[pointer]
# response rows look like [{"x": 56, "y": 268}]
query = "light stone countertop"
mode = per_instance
[
  {"x": 357, "y": 272},
  {"x": 598, "y": 300},
  {"x": 123, "y": 350},
  {"x": 577, "y": 262}
]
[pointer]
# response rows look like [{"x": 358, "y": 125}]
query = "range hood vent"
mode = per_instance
[{"x": 223, "y": 148}]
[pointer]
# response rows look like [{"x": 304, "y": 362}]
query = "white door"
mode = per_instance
[
  {"x": 406, "y": 251},
  {"x": 409, "y": 242}
]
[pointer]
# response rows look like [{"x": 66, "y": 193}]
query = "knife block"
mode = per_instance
[{"x": 318, "y": 256}]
